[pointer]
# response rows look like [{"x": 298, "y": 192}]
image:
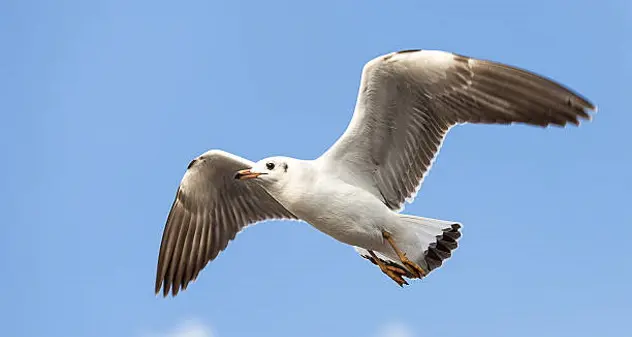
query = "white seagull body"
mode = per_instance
[{"x": 406, "y": 104}]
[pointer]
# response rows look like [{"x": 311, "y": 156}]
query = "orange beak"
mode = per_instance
[{"x": 246, "y": 174}]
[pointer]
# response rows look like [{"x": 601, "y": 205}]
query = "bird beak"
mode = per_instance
[{"x": 246, "y": 174}]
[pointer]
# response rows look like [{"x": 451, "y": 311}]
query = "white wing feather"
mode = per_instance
[{"x": 408, "y": 101}]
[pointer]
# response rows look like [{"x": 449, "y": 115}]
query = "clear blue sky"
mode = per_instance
[{"x": 105, "y": 102}]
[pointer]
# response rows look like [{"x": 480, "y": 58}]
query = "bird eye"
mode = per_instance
[{"x": 270, "y": 166}]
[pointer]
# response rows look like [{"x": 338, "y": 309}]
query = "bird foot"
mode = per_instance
[
  {"x": 395, "y": 273},
  {"x": 414, "y": 268}
]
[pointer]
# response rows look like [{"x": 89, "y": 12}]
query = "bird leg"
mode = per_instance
[
  {"x": 393, "y": 272},
  {"x": 414, "y": 268}
]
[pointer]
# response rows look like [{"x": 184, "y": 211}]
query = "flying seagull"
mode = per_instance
[{"x": 355, "y": 191}]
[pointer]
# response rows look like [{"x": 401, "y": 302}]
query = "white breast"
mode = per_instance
[{"x": 345, "y": 212}]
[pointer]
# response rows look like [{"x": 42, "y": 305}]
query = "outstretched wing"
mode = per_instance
[
  {"x": 210, "y": 208},
  {"x": 409, "y": 100}
]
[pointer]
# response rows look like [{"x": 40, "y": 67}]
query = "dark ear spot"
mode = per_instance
[
  {"x": 285, "y": 167},
  {"x": 193, "y": 162}
]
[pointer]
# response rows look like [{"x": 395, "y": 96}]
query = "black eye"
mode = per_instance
[{"x": 270, "y": 166}]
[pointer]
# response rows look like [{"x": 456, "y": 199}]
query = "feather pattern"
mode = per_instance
[
  {"x": 209, "y": 209},
  {"x": 408, "y": 101}
]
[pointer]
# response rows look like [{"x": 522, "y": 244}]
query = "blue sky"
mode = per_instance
[{"x": 105, "y": 102}]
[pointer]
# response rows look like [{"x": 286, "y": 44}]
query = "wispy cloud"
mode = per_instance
[
  {"x": 187, "y": 328},
  {"x": 395, "y": 329},
  {"x": 195, "y": 328}
]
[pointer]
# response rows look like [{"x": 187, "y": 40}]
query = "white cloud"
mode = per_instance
[
  {"x": 195, "y": 328},
  {"x": 395, "y": 330},
  {"x": 187, "y": 328}
]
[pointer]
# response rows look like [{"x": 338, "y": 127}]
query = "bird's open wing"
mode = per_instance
[
  {"x": 210, "y": 208},
  {"x": 408, "y": 101}
]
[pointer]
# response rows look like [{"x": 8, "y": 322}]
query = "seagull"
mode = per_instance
[{"x": 355, "y": 191}]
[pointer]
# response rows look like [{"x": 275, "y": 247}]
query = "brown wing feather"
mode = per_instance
[{"x": 209, "y": 209}]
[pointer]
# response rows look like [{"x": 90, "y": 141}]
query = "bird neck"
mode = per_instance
[{"x": 300, "y": 180}]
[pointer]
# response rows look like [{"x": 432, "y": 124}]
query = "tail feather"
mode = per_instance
[
  {"x": 428, "y": 242},
  {"x": 437, "y": 238}
]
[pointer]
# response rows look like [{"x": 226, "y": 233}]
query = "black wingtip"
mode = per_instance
[{"x": 406, "y": 51}]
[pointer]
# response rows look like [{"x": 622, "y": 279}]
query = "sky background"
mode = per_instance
[{"x": 104, "y": 103}]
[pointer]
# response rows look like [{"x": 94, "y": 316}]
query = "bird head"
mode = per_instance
[{"x": 266, "y": 171}]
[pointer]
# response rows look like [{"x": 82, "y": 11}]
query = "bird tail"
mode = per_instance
[
  {"x": 427, "y": 242},
  {"x": 436, "y": 239}
]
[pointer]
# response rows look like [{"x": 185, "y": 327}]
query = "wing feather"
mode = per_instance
[
  {"x": 209, "y": 209},
  {"x": 408, "y": 101}
]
